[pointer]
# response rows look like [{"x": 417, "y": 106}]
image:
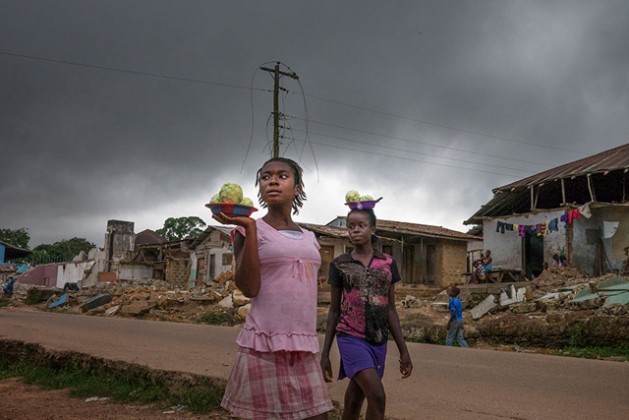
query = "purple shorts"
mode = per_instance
[{"x": 357, "y": 354}]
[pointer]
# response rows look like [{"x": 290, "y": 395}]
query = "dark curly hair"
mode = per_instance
[{"x": 298, "y": 200}]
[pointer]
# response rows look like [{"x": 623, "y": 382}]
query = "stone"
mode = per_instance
[
  {"x": 243, "y": 311},
  {"x": 239, "y": 299},
  {"x": 227, "y": 302},
  {"x": 112, "y": 311},
  {"x": 485, "y": 306},
  {"x": 511, "y": 296},
  {"x": 139, "y": 307}
]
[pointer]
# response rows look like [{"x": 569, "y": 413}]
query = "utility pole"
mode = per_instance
[{"x": 276, "y": 112}]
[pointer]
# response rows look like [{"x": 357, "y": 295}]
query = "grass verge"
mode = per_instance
[
  {"x": 85, "y": 376},
  {"x": 620, "y": 352}
]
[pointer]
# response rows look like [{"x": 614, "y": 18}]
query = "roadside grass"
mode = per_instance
[
  {"x": 594, "y": 352},
  {"x": 218, "y": 318},
  {"x": 4, "y": 302},
  {"x": 126, "y": 386}
]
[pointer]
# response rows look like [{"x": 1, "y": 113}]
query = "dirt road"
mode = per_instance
[{"x": 446, "y": 383}]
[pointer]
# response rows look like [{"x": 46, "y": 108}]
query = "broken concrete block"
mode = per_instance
[
  {"x": 243, "y": 311},
  {"x": 95, "y": 302},
  {"x": 137, "y": 308},
  {"x": 511, "y": 296},
  {"x": 112, "y": 311},
  {"x": 485, "y": 306},
  {"x": 409, "y": 301},
  {"x": 239, "y": 299},
  {"x": 227, "y": 302}
]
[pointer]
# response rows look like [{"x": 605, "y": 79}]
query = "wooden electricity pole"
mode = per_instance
[{"x": 276, "y": 112}]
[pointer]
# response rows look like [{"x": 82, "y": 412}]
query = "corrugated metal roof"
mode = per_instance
[
  {"x": 610, "y": 160},
  {"x": 514, "y": 198},
  {"x": 419, "y": 230},
  {"x": 331, "y": 231},
  {"x": 395, "y": 227}
]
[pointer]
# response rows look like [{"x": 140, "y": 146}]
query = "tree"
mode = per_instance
[
  {"x": 64, "y": 250},
  {"x": 16, "y": 237},
  {"x": 177, "y": 228}
]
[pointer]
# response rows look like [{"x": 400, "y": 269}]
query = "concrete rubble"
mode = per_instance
[{"x": 558, "y": 307}]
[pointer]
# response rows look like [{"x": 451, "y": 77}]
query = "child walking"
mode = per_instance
[
  {"x": 276, "y": 374},
  {"x": 362, "y": 313},
  {"x": 455, "y": 324}
]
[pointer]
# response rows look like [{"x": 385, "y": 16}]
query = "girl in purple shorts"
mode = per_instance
[
  {"x": 276, "y": 374},
  {"x": 362, "y": 313}
]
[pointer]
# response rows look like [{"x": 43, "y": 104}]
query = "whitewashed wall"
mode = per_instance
[{"x": 506, "y": 249}]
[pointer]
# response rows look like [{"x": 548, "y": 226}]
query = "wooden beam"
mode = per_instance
[
  {"x": 532, "y": 198},
  {"x": 563, "y": 193},
  {"x": 590, "y": 188}
]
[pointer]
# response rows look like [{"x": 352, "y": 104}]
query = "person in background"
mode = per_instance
[
  {"x": 276, "y": 374},
  {"x": 455, "y": 323},
  {"x": 482, "y": 268}
]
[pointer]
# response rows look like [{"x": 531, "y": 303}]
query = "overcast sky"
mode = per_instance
[{"x": 141, "y": 110}]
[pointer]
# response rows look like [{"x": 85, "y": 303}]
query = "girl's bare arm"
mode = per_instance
[
  {"x": 406, "y": 366},
  {"x": 330, "y": 332}
]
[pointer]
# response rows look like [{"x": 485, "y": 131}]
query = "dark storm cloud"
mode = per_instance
[{"x": 416, "y": 96}]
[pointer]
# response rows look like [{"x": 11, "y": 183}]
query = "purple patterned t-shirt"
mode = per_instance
[{"x": 365, "y": 295}]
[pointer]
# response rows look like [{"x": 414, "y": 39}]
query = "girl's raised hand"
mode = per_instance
[{"x": 233, "y": 220}]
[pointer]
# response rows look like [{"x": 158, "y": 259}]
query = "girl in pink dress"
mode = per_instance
[{"x": 276, "y": 374}]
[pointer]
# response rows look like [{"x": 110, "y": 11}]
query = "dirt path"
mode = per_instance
[{"x": 21, "y": 401}]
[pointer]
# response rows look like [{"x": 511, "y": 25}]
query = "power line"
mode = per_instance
[
  {"x": 134, "y": 72},
  {"x": 418, "y": 153},
  {"x": 415, "y": 160},
  {"x": 462, "y": 130},
  {"x": 233, "y": 86},
  {"x": 423, "y": 143}
]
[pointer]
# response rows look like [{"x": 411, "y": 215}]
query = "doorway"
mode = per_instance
[{"x": 533, "y": 255}]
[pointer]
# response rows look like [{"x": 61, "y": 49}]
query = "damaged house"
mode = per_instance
[
  {"x": 579, "y": 210},
  {"x": 425, "y": 254}
]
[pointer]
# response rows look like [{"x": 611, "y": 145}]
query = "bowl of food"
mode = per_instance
[
  {"x": 230, "y": 209},
  {"x": 231, "y": 202},
  {"x": 363, "y": 204}
]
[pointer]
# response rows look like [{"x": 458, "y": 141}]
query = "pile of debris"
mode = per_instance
[
  {"x": 146, "y": 299},
  {"x": 560, "y": 307}
]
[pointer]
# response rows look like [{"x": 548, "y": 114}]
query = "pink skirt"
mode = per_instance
[{"x": 277, "y": 385}]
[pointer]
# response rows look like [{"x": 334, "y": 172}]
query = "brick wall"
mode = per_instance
[
  {"x": 452, "y": 263},
  {"x": 177, "y": 271}
]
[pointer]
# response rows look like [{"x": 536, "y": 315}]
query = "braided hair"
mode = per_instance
[{"x": 298, "y": 200}]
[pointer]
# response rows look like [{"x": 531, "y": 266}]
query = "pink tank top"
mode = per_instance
[{"x": 284, "y": 314}]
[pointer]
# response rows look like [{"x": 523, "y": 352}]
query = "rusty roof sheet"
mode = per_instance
[
  {"x": 423, "y": 230},
  {"x": 395, "y": 227},
  {"x": 331, "y": 231},
  {"x": 508, "y": 199},
  {"x": 609, "y": 160}
]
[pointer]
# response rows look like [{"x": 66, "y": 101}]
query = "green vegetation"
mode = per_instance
[
  {"x": 126, "y": 385},
  {"x": 16, "y": 237},
  {"x": 594, "y": 352},
  {"x": 218, "y": 318},
  {"x": 177, "y": 228},
  {"x": 4, "y": 302},
  {"x": 63, "y": 250}
]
